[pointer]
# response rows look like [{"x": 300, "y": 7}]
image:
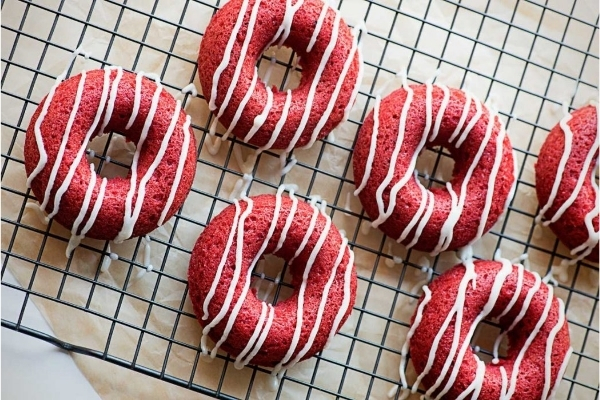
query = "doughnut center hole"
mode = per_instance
[
  {"x": 111, "y": 154},
  {"x": 279, "y": 68},
  {"x": 435, "y": 167},
  {"x": 484, "y": 339},
  {"x": 271, "y": 280}
]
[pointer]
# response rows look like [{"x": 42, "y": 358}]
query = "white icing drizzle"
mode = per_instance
[
  {"x": 492, "y": 183},
  {"x": 280, "y": 123},
  {"x": 76, "y": 239},
  {"x": 400, "y": 138},
  {"x": 561, "y": 164},
  {"x": 447, "y": 230},
  {"x": 409, "y": 335},
  {"x": 513, "y": 378},
  {"x": 501, "y": 276},
  {"x": 267, "y": 77},
  {"x": 136, "y": 99},
  {"x": 549, "y": 344},
  {"x": 246, "y": 166},
  {"x": 219, "y": 271},
  {"x": 38, "y": 123},
  {"x": 242, "y": 105},
  {"x": 179, "y": 171},
  {"x": 226, "y": 56},
  {"x": 260, "y": 119},
  {"x": 318, "y": 27},
  {"x": 322, "y": 304},
  {"x": 38, "y": 212},
  {"x": 288, "y": 167},
  {"x": 372, "y": 147},
  {"x": 190, "y": 89},
  {"x": 238, "y": 66},
  {"x": 234, "y": 279},
  {"x": 108, "y": 259},
  {"x": 63, "y": 145},
  {"x": 336, "y": 91},
  {"x": 587, "y": 246},
  {"x": 131, "y": 215},
  {"x": 345, "y": 301},
  {"x": 315, "y": 82},
  {"x": 147, "y": 253},
  {"x": 561, "y": 373}
]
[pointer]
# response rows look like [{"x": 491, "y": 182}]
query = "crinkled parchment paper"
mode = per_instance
[{"x": 143, "y": 45}]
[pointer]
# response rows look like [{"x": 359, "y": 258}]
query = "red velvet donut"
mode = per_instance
[
  {"x": 323, "y": 278},
  {"x": 565, "y": 183},
  {"x": 528, "y": 313},
  {"x": 233, "y": 42},
  {"x": 395, "y": 133},
  {"x": 65, "y": 183}
]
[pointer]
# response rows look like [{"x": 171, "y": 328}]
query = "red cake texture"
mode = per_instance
[
  {"x": 571, "y": 226},
  {"x": 412, "y": 201},
  {"x": 552, "y": 337},
  {"x": 53, "y": 128},
  {"x": 212, "y": 246},
  {"x": 269, "y": 28}
]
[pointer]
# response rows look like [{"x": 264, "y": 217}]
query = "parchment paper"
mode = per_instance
[{"x": 377, "y": 326}]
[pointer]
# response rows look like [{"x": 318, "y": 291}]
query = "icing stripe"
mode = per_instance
[
  {"x": 372, "y": 147},
  {"x": 179, "y": 171},
  {"x": 242, "y": 56},
  {"x": 409, "y": 335},
  {"x": 242, "y": 297},
  {"x": 345, "y": 301},
  {"x": 447, "y": 231},
  {"x": 67, "y": 181},
  {"x": 549, "y": 343},
  {"x": 513, "y": 378},
  {"x": 336, "y": 91},
  {"x": 322, "y": 304},
  {"x": 401, "y": 129},
  {"x": 281, "y": 122},
  {"x": 61, "y": 150},
  {"x": 491, "y": 184},
  {"x": 318, "y": 27},
  {"x": 315, "y": 82},
  {"x": 234, "y": 279},
  {"x": 561, "y": 373},
  {"x": 76, "y": 239},
  {"x": 561, "y": 165},
  {"x": 263, "y": 335},
  {"x": 213, "y": 287},
  {"x": 129, "y": 219},
  {"x": 137, "y": 99},
  {"x": 226, "y": 56},
  {"x": 300, "y": 309}
]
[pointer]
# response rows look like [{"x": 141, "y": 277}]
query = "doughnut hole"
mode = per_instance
[
  {"x": 112, "y": 154},
  {"x": 484, "y": 339},
  {"x": 279, "y": 67},
  {"x": 435, "y": 167},
  {"x": 271, "y": 280}
]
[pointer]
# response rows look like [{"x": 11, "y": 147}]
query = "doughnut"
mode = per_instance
[
  {"x": 65, "y": 183},
  {"x": 528, "y": 314},
  {"x": 565, "y": 184},
  {"x": 261, "y": 114},
  {"x": 323, "y": 279},
  {"x": 391, "y": 138}
]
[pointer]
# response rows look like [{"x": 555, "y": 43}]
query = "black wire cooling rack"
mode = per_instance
[{"x": 547, "y": 34}]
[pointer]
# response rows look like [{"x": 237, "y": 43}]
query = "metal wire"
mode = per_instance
[{"x": 369, "y": 281}]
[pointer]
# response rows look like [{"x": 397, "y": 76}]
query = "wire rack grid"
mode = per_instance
[{"x": 496, "y": 48}]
